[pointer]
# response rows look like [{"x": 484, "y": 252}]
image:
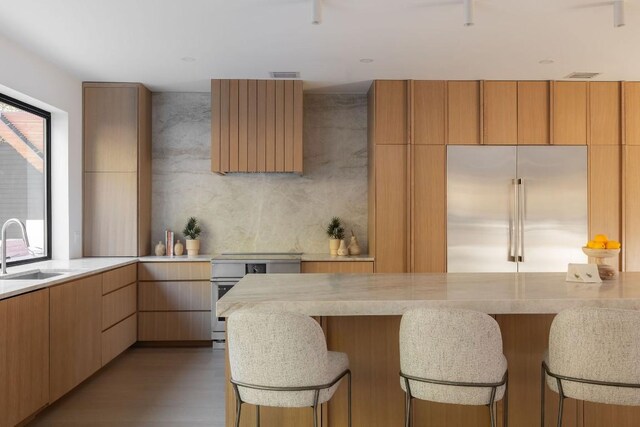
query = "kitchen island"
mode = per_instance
[{"x": 360, "y": 314}]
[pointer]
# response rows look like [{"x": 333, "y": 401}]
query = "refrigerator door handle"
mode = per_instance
[
  {"x": 520, "y": 214},
  {"x": 513, "y": 221}
]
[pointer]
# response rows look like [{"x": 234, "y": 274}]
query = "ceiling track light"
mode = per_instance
[
  {"x": 317, "y": 12},
  {"x": 468, "y": 12},
  {"x": 618, "y": 13}
]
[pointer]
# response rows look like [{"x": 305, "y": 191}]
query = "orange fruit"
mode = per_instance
[
  {"x": 613, "y": 244},
  {"x": 591, "y": 244},
  {"x": 601, "y": 238},
  {"x": 596, "y": 245}
]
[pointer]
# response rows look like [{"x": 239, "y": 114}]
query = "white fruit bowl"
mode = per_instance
[{"x": 600, "y": 253}]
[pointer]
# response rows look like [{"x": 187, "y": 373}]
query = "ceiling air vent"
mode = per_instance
[
  {"x": 285, "y": 74},
  {"x": 582, "y": 75}
]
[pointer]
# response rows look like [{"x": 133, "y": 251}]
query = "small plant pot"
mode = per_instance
[
  {"x": 334, "y": 245},
  {"x": 193, "y": 247}
]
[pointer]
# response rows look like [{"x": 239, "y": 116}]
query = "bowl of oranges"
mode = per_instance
[{"x": 599, "y": 249}]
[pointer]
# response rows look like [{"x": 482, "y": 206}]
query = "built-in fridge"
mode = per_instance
[{"x": 516, "y": 208}]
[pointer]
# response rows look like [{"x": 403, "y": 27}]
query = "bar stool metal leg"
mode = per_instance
[
  {"x": 238, "y": 405},
  {"x": 315, "y": 408},
  {"x": 543, "y": 386},
  {"x": 561, "y": 404},
  {"x": 491, "y": 406},
  {"x": 505, "y": 405},
  {"x": 349, "y": 397},
  {"x": 407, "y": 404},
  {"x": 257, "y": 415}
]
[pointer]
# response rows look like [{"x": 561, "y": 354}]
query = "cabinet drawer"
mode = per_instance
[
  {"x": 118, "y": 305},
  {"x": 174, "y": 271},
  {"x": 337, "y": 267},
  {"x": 174, "y": 296},
  {"x": 174, "y": 326},
  {"x": 118, "y": 338},
  {"x": 118, "y": 278}
]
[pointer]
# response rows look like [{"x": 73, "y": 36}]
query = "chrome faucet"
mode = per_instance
[{"x": 4, "y": 240}]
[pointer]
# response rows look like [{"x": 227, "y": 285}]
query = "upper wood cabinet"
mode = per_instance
[
  {"x": 500, "y": 112},
  {"x": 604, "y": 113},
  {"x": 24, "y": 356},
  {"x": 110, "y": 128},
  {"x": 390, "y": 106},
  {"x": 256, "y": 126},
  {"x": 632, "y": 112},
  {"x": 75, "y": 333},
  {"x": 463, "y": 112},
  {"x": 533, "y": 112},
  {"x": 117, "y": 169},
  {"x": 429, "y": 112},
  {"x": 569, "y": 113}
]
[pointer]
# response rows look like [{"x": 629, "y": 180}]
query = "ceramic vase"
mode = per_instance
[
  {"x": 334, "y": 244},
  {"x": 160, "y": 249},
  {"x": 354, "y": 246},
  {"x": 342, "y": 250},
  {"x": 178, "y": 249},
  {"x": 193, "y": 247}
]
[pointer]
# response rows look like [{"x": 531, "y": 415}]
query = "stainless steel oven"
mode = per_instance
[{"x": 227, "y": 270}]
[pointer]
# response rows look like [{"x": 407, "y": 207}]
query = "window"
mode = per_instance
[{"x": 25, "y": 179}]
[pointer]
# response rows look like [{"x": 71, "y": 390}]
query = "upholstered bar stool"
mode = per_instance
[
  {"x": 280, "y": 359},
  {"x": 452, "y": 356},
  {"x": 594, "y": 355}
]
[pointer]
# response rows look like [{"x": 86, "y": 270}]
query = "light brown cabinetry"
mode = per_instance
[
  {"x": 604, "y": 113},
  {"x": 256, "y": 126},
  {"x": 605, "y": 192},
  {"x": 570, "y": 113},
  {"x": 24, "y": 356},
  {"x": 500, "y": 112},
  {"x": 464, "y": 112},
  {"x": 174, "y": 301},
  {"x": 632, "y": 208},
  {"x": 389, "y": 103},
  {"x": 429, "y": 112},
  {"x": 117, "y": 169},
  {"x": 631, "y": 94},
  {"x": 75, "y": 332},
  {"x": 391, "y": 206},
  {"x": 533, "y": 112},
  {"x": 337, "y": 267},
  {"x": 429, "y": 218}
]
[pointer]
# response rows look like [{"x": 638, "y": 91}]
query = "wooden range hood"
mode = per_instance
[{"x": 256, "y": 126}]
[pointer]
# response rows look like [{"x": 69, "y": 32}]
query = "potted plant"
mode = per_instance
[
  {"x": 336, "y": 234},
  {"x": 191, "y": 232}
]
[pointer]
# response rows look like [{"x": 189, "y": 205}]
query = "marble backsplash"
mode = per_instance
[{"x": 260, "y": 212}]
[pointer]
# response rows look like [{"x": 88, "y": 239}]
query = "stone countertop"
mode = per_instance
[
  {"x": 327, "y": 257},
  {"x": 70, "y": 269},
  {"x": 393, "y": 294},
  {"x": 181, "y": 258}
]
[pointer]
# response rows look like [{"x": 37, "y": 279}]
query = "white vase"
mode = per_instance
[
  {"x": 342, "y": 250},
  {"x": 193, "y": 247}
]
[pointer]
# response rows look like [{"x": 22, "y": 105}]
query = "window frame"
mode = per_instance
[{"x": 46, "y": 115}]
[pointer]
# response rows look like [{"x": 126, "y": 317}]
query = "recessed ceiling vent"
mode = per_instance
[
  {"x": 582, "y": 75},
  {"x": 285, "y": 74}
]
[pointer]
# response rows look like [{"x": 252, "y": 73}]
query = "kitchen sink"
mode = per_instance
[{"x": 34, "y": 275}]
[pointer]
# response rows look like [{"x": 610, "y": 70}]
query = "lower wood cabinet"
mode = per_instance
[
  {"x": 174, "y": 301},
  {"x": 24, "y": 356},
  {"x": 76, "y": 333},
  {"x": 119, "y": 337},
  {"x": 337, "y": 267}
]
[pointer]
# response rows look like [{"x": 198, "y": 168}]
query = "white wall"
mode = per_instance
[{"x": 29, "y": 78}]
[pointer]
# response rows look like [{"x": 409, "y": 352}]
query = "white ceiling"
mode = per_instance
[{"x": 144, "y": 40}]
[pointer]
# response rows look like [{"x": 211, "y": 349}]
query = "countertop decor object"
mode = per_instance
[
  {"x": 160, "y": 249},
  {"x": 606, "y": 271},
  {"x": 191, "y": 232},
  {"x": 354, "y": 246},
  {"x": 335, "y": 231},
  {"x": 178, "y": 249},
  {"x": 343, "y": 250}
]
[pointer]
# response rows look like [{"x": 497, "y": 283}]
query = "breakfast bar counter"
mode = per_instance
[{"x": 360, "y": 315}]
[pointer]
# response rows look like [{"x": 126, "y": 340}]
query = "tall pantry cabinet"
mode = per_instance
[{"x": 117, "y": 169}]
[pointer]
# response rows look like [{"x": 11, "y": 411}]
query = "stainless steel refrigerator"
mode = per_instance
[{"x": 516, "y": 208}]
